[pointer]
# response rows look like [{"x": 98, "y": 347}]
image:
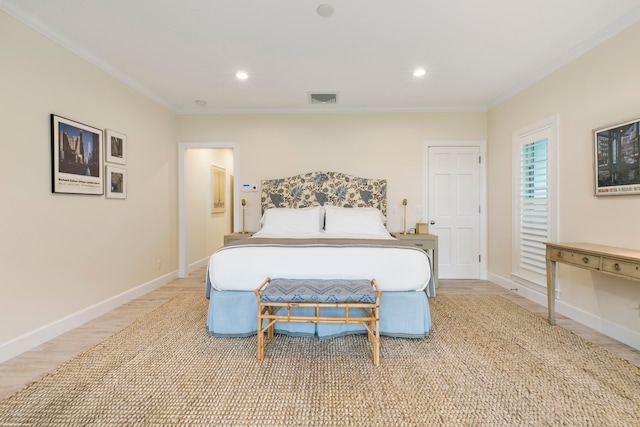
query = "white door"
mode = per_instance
[{"x": 454, "y": 209}]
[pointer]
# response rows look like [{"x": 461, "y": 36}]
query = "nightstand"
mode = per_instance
[
  {"x": 426, "y": 242},
  {"x": 236, "y": 236}
]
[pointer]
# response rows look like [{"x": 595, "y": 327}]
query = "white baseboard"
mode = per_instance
[
  {"x": 522, "y": 290},
  {"x": 196, "y": 265},
  {"x": 606, "y": 327},
  {"x": 18, "y": 345}
]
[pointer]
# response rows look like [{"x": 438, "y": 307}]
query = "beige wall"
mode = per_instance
[
  {"x": 597, "y": 89},
  {"x": 63, "y": 253},
  {"x": 205, "y": 230},
  {"x": 370, "y": 145}
]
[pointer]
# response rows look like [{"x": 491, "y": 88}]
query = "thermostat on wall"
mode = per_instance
[{"x": 246, "y": 188}]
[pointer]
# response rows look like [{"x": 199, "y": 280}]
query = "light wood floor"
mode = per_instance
[{"x": 33, "y": 364}]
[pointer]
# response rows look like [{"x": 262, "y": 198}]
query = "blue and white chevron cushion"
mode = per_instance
[{"x": 318, "y": 290}]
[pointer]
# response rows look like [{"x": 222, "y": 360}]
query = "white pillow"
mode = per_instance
[
  {"x": 294, "y": 221},
  {"x": 369, "y": 221}
]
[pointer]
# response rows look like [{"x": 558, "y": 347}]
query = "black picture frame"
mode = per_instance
[
  {"x": 617, "y": 159},
  {"x": 76, "y": 157}
]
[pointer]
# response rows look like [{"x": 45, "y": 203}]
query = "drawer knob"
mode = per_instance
[
  {"x": 585, "y": 260},
  {"x": 420, "y": 244},
  {"x": 616, "y": 266},
  {"x": 559, "y": 254}
]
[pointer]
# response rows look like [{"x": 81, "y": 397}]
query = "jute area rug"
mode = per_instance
[{"x": 488, "y": 362}]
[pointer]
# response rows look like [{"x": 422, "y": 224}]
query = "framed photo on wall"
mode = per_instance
[
  {"x": 617, "y": 159},
  {"x": 218, "y": 182},
  {"x": 116, "y": 182},
  {"x": 116, "y": 147},
  {"x": 76, "y": 157}
]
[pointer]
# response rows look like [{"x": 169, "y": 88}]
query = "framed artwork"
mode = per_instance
[
  {"x": 116, "y": 182},
  {"x": 76, "y": 157},
  {"x": 116, "y": 147},
  {"x": 218, "y": 181},
  {"x": 617, "y": 160}
]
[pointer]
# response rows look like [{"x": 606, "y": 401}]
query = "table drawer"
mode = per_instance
[
  {"x": 576, "y": 258},
  {"x": 629, "y": 269}
]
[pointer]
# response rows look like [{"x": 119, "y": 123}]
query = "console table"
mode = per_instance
[{"x": 605, "y": 259}]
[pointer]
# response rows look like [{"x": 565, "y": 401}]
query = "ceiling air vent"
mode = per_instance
[{"x": 323, "y": 98}]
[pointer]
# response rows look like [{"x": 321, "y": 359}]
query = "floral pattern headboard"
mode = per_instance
[{"x": 324, "y": 188}]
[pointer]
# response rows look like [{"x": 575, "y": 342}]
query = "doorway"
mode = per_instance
[
  {"x": 455, "y": 197},
  {"x": 183, "y": 213}
]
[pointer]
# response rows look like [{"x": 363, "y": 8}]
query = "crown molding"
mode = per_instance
[
  {"x": 334, "y": 110},
  {"x": 9, "y": 6},
  {"x": 617, "y": 27}
]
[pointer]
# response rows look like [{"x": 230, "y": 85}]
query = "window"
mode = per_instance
[{"x": 534, "y": 199}]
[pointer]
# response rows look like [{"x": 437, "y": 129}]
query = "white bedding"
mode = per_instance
[
  {"x": 321, "y": 235},
  {"x": 244, "y": 267}
]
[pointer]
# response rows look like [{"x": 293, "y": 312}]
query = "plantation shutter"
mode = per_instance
[
  {"x": 533, "y": 196},
  {"x": 534, "y": 201}
]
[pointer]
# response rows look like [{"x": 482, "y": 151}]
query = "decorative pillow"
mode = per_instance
[
  {"x": 292, "y": 221},
  {"x": 361, "y": 221}
]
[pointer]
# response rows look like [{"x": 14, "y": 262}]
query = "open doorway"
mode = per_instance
[{"x": 197, "y": 221}]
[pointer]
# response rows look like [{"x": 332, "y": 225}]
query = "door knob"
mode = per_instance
[{"x": 432, "y": 222}]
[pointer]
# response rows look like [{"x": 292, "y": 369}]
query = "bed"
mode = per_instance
[{"x": 321, "y": 225}]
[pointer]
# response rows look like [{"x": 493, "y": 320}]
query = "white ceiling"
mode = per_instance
[{"x": 476, "y": 52}]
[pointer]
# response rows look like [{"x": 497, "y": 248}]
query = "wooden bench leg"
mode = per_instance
[
  {"x": 260, "y": 347},
  {"x": 270, "y": 329},
  {"x": 376, "y": 338},
  {"x": 260, "y": 340},
  {"x": 376, "y": 352},
  {"x": 371, "y": 329}
]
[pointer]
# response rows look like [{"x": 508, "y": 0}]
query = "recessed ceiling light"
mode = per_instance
[
  {"x": 325, "y": 10},
  {"x": 241, "y": 75},
  {"x": 200, "y": 102},
  {"x": 419, "y": 72}
]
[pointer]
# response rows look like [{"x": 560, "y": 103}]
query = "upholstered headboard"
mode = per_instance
[{"x": 324, "y": 188}]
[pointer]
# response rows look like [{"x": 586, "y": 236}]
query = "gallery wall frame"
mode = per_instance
[
  {"x": 218, "y": 182},
  {"x": 115, "y": 147},
  {"x": 617, "y": 159},
  {"x": 76, "y": 157},
  {"x": 116, "y": 179}
]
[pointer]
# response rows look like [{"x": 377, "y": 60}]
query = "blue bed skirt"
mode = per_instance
[{"x": 402, "y": 314}]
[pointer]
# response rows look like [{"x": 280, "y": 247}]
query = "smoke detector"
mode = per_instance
[
  {"x": 325, "y": 10},
  {"x": 323, "y": 98}
]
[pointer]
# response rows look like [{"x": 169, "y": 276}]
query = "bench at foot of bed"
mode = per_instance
[
  {"x": 402, "y": 315},
  {"x": 276, "y": 298}
]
